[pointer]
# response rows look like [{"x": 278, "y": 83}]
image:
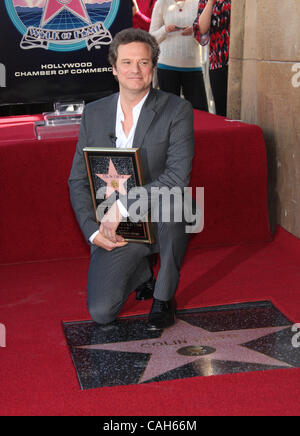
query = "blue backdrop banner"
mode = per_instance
[{"x": 56, "y": 50}]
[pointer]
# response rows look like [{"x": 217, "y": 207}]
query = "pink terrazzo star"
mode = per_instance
[
  {"x": 114, "y": 181},
  {"x": 168, "y": 351}
]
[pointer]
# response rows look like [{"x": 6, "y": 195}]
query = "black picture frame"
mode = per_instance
[{"x": 126, "y": 162}]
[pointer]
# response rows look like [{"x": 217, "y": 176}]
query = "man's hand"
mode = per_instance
[
  {"x": 107, "y": 237},
  {"x": 102, "y": 242},
  {"x": 110, "y": 223}
]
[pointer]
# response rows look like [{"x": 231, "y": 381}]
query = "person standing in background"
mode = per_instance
[
  {"x": 179, "y": 66},
  {"x": 213, "y": 24},
  {"x": 141, "y": 12}
]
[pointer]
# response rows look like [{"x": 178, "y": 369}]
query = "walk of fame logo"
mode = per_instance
[
  {"x": 199, "y": 344},
  {"x": 63, "y": 25}
]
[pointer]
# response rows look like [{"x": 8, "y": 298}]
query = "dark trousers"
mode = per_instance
[
  {"x": 113, "y": 275},
  {"x": 191, "y": 84},
  {"x": 219, "y": 83}
]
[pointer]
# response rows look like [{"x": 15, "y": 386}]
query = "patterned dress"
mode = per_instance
[{"x": 219, "y": 33}]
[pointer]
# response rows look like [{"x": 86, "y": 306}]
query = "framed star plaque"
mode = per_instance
[{"x": 113, "y": 172}]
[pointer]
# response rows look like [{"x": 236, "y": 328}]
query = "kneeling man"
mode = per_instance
[{"x": 161, "y": 125}]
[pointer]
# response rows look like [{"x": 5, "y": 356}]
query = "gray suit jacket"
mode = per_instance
[{"x": 164, "y": 134}]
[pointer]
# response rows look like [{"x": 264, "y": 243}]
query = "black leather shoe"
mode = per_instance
[
  {"x": 162, "y": 314},
  {"x": 145, "y": 291}
]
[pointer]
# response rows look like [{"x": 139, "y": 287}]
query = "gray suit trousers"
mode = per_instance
[{"x": 114, "y": 275}]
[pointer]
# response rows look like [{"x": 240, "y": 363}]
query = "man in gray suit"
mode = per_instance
[{"x": 161, "y": 125}]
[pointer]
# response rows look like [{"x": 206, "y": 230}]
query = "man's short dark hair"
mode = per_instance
[{"x": 128, "y": 36}]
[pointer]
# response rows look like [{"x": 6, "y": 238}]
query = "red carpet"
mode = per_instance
[
  {"x": 36, "y": 372},
  {"x": 44, "y": 261}
]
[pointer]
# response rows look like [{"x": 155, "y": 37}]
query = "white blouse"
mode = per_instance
[{"x": 176, "y": 50}]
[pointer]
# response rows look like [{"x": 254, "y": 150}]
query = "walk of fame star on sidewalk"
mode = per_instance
[{"x": 184, "y": 343}]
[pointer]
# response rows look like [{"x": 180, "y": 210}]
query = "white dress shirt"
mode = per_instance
[{"x": 123, "y": 141}]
